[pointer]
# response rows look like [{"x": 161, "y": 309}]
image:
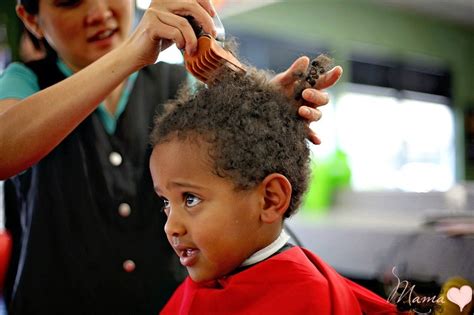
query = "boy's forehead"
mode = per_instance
[
  {"x": 181, "y": 162},
  {"x": 175, "y": 147}
]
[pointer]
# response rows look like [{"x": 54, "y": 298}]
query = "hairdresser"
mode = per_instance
[{"x": 87, "y": 228}]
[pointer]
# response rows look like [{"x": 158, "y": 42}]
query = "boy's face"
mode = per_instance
[{"x": 212, "y": 227}]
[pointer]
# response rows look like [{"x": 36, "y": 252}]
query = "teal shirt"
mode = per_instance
[{"x": 19, "y": 81}]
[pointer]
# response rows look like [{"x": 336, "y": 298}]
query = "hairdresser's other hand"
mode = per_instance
[
  {"x": 313, "y": 97},
  {"x": 163, "y": 24}
]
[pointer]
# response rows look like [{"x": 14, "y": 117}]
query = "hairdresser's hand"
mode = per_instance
[
  {"x": 163, "y": 24},
  {"x": 312, "y": 97}
]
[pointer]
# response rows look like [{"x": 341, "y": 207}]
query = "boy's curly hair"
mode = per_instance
[{"x": 252, "y": 130}]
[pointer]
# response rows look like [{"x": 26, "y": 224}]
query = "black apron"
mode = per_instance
[{"x": 87, "y": 226}]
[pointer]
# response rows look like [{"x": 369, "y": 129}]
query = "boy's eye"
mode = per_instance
[
  {"x": 192, "y": 200},
  {"x": 67, "y": 3},
  {"x": 166, "y": 206}
]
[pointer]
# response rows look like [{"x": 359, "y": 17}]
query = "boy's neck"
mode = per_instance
[{"x": 267, "y": 251}]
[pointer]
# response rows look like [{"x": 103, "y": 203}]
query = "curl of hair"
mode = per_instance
[{"x": 252, "y": 131}]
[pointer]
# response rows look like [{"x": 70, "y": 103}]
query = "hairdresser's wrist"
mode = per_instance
[
  {"x": 115, "y": 66},
  {"x": 124, "y": 59},
  {"x": 143, "y": 46}
]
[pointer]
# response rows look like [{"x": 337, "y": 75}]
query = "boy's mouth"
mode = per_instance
[{"x": 187, "y": 256}]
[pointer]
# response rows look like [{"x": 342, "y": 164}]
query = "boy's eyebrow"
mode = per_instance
[
  {"x": 177, "y": 184},
  {"x": 185, "y": 185}
]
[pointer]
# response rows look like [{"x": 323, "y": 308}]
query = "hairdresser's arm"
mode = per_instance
[
  {"x": 313, "y": 97},
  {"x": 33, "y": 127}
]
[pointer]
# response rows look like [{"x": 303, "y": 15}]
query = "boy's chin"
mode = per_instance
[
  {"x": 198, "y": 277},
  {"x": 202, "y": 278}
]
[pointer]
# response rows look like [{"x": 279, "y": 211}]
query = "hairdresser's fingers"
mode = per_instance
[
  {"x": 329, "y": 79},
  {"x": 159, "y": 26},
  {"x": 154, "y": 34},
  {"x": 310, "y": 114},
  {"x": 315, "y": 97},
  {"x": 291, "y": 74},
  {"x": 208, "y": 6},
  {"x": 313, "y": 137},
  {"x": 202, "y": 14},
  {"x": 179, "y": 30}
]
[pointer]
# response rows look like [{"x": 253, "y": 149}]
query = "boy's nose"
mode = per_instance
[
  {"x": 174, "y": 226},
  {"x": 98, "y": 12}
]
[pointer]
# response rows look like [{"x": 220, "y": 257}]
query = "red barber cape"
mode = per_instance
[{"x": 293, "y": 282}]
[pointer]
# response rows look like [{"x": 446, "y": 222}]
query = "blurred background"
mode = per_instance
[{"x": 391, "y": 183}]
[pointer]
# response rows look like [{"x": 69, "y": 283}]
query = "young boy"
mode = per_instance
[{"x": 231, "y": 163}]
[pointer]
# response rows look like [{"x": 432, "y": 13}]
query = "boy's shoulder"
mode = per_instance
[
  {"x": 283, "y": 284},
  {"x": 292, "y": 266},
  {"x": 295, "y": 281}
]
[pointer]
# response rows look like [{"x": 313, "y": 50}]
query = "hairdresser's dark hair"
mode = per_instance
[
  {"x": 31, "y": 6},
  {"x": 252, "y": 130}
]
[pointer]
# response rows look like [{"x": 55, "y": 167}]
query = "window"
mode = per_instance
[{"x": 396, "y": 140}]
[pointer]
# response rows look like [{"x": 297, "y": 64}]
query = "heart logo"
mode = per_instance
[{"x": 461, "y": 297}]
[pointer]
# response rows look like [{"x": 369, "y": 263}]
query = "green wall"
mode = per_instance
[
  {"x": 348, "y": 26},
  {"x": 8, "y": 17}
]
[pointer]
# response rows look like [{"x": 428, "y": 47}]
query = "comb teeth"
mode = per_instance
[{"x": 209, "y": 59}]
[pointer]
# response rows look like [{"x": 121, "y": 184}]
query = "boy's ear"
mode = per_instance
[
  {"x": 30, "y": 21},
  {"x": 276, "y": 193}
]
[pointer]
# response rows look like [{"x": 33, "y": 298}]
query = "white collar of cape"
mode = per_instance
[{"x": 267, "y": 251}]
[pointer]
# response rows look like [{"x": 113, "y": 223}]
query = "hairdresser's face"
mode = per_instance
[
  {"x": 81, "y": 31},
  {"x": 212, "y": 227}
]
